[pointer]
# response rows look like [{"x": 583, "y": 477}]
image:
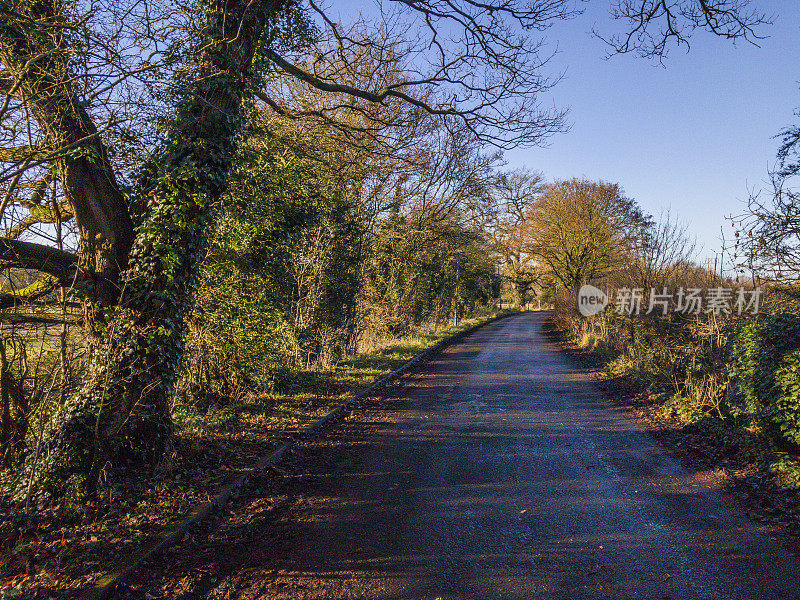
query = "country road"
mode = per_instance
[{"x": 498, "y": 470}]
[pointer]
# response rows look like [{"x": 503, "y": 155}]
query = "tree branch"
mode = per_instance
[
  {"x": 29, "y": 293},
  {"x": 27, "y": 255},
  {"x": 42, "y": 318}
]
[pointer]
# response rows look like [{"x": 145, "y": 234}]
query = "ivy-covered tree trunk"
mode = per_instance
[{"x": 122, "y": 411}]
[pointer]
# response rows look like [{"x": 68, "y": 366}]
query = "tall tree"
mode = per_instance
[
  {"x": 582, "y": 230},
  {"x": 513, "y": 194},
  {"x": 767, "y": 235},
  {"x": 122, "y": 407},
  {"x": 36, "y": 50}
]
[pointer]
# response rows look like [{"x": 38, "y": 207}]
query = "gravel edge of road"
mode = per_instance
[{"x": 108, "y": 584}]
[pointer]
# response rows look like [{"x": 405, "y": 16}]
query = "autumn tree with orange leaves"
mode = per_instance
[{"x": 581, "y": 230}]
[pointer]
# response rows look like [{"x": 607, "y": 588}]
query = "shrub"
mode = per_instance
[{"x": 765, "y": 375}]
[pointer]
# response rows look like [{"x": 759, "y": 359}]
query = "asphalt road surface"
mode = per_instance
[{"x": 496, "y": 471}]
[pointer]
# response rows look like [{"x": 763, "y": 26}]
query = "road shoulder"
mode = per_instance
[{"x": 734, "y": 462}]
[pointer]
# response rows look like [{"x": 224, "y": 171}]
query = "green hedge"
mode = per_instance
[{"x": 765, "y": 375}]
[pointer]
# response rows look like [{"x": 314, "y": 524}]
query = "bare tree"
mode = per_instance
[
  {"x": 651, "y": 26},
  {"x": 767, "y": 234},
  {"x": 658, "y": 253},
  {"x": 460, "y": 59},
  {"x": 513, "y": 195},
  {"x": 75, "y": 75}
]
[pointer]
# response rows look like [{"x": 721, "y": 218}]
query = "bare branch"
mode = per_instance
[
  {"x": 653, "y": 25},
  {"x": 28, "y": 255},
  {"x": 29, "y": 293},
  {"x": 43, "y": 318}
]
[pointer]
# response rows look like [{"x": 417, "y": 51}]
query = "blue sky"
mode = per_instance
[{"x": 693, "y": 136}]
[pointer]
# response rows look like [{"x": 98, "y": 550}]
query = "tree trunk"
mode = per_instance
[
  {"x": 14, "y": 419},
  {"x": 122, "y": 412},
  {"x": 521, "y": 287},
  {"x": 35, "y": 50}
]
